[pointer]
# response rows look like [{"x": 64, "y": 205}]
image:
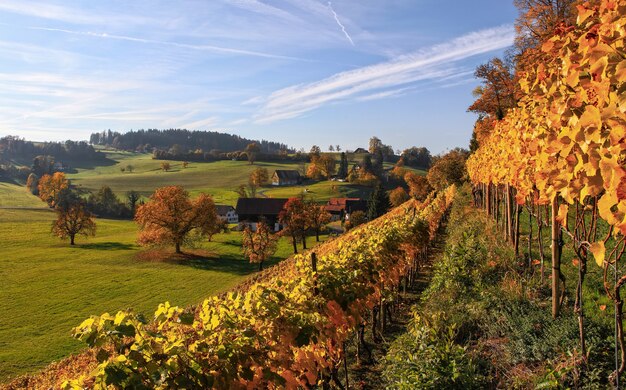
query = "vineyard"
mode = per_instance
[
  {"x": 288, "y": 328},
  {"x": 560, "y": 155}
]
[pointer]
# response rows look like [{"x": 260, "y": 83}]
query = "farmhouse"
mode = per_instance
[
  {"x": 286, "y": 177},
  {"x": 339, "y": 208},
  {"x": 226, "y": 213},
  {"x": 253, "y": 210},
  {"x": 361, "y": 151}
]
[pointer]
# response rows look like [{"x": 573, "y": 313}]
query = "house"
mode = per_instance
[
  {"x": 226, "y": 213},
  {"x": 339, "y": 208},
  {"x": 360, "y": 151},
  {"x": 58, "y": 167},
  {"x": 253, "y": 210},
  {"x": 286, "y": 177}
]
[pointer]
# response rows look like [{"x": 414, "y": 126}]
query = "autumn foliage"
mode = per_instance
[
  {"x": 259, "y": 245},
  {"x": 72, "y": 221},
  {"x": 51, "y": 186},
  {"x": 170, "y": 216}
]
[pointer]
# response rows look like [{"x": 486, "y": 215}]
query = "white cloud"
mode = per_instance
[{"x": 428, "y": 64}]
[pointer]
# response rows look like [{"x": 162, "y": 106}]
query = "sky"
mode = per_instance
[{"x": 300, "y": 72}]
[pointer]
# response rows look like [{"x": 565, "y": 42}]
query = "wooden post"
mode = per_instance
[
  {"x": 556, "y": 264},
  {"x": 488, "y": 199},
  {"x": 316, "y": 290},
  {"x": 507, "y": 206}
]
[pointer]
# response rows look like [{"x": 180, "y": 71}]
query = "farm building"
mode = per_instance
[
  {"x": 226, "y": 213},
  {"x": 339, "y": 208},
  {"x": 253, "y": 210},
  {"x": 286, "y": 177}
]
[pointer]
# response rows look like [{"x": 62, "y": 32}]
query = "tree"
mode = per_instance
[
  {"x": 338, "y": 148},
  {"x": 448, "y": 169},
  {"x": 378, "y": 203},
  {"x": 331, "y": 148},
  {"x": 327, "y": 164},
  {"x": 132, "y": 197},
  {"x": 295, "y": 218},
  {"x": 50, "y": 186},
  {"x": 355, "y": 219},
  {"x": 375, "y": 145},
  {"x": 252, "y": 150},
  {"x": 170, "y": 215},
  {"x": 538, "y": 19},
  {"x": 31, "y": 184},
  {"x": 398, "y": 196},
  {"x": 315, "y": 151},
  {"x": 130, "y": 168},
  {"x": 417, "y": 157},
  {"x": 260, "y": 245},
  {"x": 343, "y": 166},
  {"x": 419, "y": 187},
  {"x": 257, "y": 178},
  {"x": 165, "y": 166},
  {"x": 105, "y": 202},
  {"x": 185, "y": 164},
  {"x": 73, "y": 220},
  {"x": 318, "y": 218},
  {"x": 497, "y": 93}
]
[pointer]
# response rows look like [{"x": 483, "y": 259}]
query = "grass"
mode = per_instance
[
  {"x": 49, "y": 287},
  {"x": 14, "y": 195},
  {"x": 219, "y": 178}
]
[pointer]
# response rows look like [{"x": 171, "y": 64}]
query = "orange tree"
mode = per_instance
[
  {"x": 170, "y": 215},
  {"x": 72, "y": 221},
  {"x": 51, "y": 186},
  {"x": 294, "y": 217},
  {"x": 259, "y": 245}
]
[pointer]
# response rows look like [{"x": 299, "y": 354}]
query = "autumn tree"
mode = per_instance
[
  {"x": 50, "y": 186},
  {"x": 448, "y": 169},
  {"x": 165, "y": 166},
  {"x": 398, "y": 196},
  {"x": 538, "y": 19},
  {"x": 73, "y": 220},
  {"x": 257, "y": 178},
  {"x": 252, "y": 151},
  {"x": 419, "y": 187},
  {"x": 294, "y": 217},
  {"x": 343, "y": 166},
  {"x": 170, "y": 216},
  {"x": 327, "y": 164},
  {"x": 259, "y": 245},
  {"x": 31, "y": 184},
  {"x": 318, "y": 217}
]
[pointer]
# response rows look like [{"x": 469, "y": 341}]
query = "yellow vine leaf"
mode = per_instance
[{"x": 598, "y": 250}]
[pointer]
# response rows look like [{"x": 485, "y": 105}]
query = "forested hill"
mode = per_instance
[{"x": 186, "y": 139}]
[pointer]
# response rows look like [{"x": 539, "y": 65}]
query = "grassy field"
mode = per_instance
[
  {"x": 49, "y": 287},
  {"x": 14, "y": 195},
  {"x": 219, "y": 178}
]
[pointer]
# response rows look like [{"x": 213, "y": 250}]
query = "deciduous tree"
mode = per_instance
[
  {"x": 170, "y": 215},
  {"x": 260, "y": 245},
  {"x": 398, "y": 196},
  {"x": 355, "y": 219},
  {"x": 294, "y": 217},
  {"x": 327, "y": 164},
  {"x": 419, "y": 187},
  {"x": 32, "y": 183},
  {"x": 50, "y": 186},
  {"x": 448, "y": 169},
  {"x": 73, "y": 220},
  {"x": 318, "y": 218},
  {"x": 252, "y": 150},
  {"x": 257, "y": 178},
  {"x": 165, "y": 166}
]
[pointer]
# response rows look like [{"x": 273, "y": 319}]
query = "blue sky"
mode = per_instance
[{"x": 301, "y": 72}]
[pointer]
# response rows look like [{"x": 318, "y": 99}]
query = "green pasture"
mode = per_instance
[{"x": 48, "y": 287}]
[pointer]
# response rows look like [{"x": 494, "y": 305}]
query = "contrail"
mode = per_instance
[{"x": 330, "y": 6}]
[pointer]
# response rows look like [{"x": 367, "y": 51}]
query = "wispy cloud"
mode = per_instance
[
  {"x": 66, "y": 14},
  {"x": 330, "y": 6},
  {"x": 432, "y": 63},
  {"x": 212, "y": 48}
]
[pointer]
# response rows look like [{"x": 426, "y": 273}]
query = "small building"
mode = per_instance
[
  {"x": 58, "y": 167},
  {"x": 360, "y": 151},
  {"x": 286, "y": 177},
  {"x": 253, "y": 210},
  {"x": 226, "y": 213},
  {"x": 340, "y": 208}
]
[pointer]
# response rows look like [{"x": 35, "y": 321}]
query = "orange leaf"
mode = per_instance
[
  {"x": 598, "y": 250},
  {"x": 603, "y": 307}
]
